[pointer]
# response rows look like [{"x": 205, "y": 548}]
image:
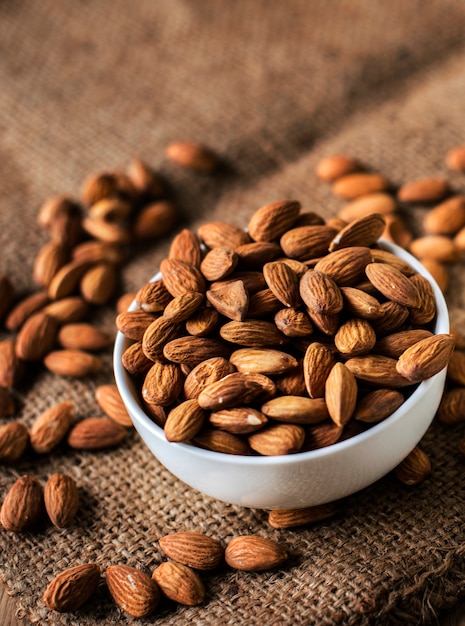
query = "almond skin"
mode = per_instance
[
  {"x": 95, "y": 433},
  {"x": 179, "y": 583},
  {"x": 23, "y": 505},
  {"x": 132, "y": 590},
  {"x": 318, "y": 362},
  {"x": 181, "y": 277},
  {"x": 263, "y": 361},
  {"x": 363, "y": 231},
  {"x": 340, "y": 394},
  {"x": 205, "y": 373},
  {"x": 51, "y": 426},
  {"x": 254, "y": 554},
  {"x": 193, "y": 549},
  {"x": 393, "y": 284},
  {"x": 72, "y": 588},
  {"x": 320, "y": 293},
  {"x": 222, "y": 441},
  {"x": 231, "y": 300},
  {"x": 24, "y": 309},
  {"x": 426, "y": 358},
  {"x": 61, "y": 499},
  {"x": 162, "y": 384}
]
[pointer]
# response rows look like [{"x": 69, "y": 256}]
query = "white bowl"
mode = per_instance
[{"x": 306, "y": 478}]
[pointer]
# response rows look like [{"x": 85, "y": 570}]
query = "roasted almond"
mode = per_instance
[
  {"x": 291, "y": 518},
  {"x": 360, "y": 303},
  {"x": 322, "y": 435},
  {"x": 377, "y": 370},
  {"x": 158, "y": 331},
  {"x": 98, "y": 252},
  {"x": 346, "y": 266},
  {"x": 107, "y": 231},
  {"x": 252, "y": 333},
  {"x": 452, "y": 408},
  {"x": 193, "y": 549},
  {"x": 95, "y": 433},
  {"x": 73, "y": 363},
  {"x": 363, "y": 231},
  {"x": 132, "y": 590},
  {"x": 234, "y": 390},
  {"x": 426, "y": 358},
  {"x": 222, "y": 441},
  {"x": 67, "y": 310},
  {"x": 11, "y": 367},
  {"x": 98, "y": 283},
  {"x": 66, "y": 281},
  {"x": 134, "y": 360},
  {"x": 153, "y": 297},
  {"x": 427, "y": 309},
  {"x": 14, "y": 439},
  {"x": 424, "y": 190},
  {"x": 99, "y": 185},
  {"x": 50, "y": 258},
  {"x": 51, "y": 426},
  {"x": 205, "y": 373},
  {"x": 72, "y": 588},
  {"x": 61, "y": 497},
  {"x": 293, "y": 323},
  {"x": 283, "y": 282},
  {"x": 435, "y": 247},
  {"x": 397, "y": 231},
  {"x": 446, "y": 218},
  {"x": 23, "y": 505},
  {"x": 307, "y": 242},
  {"x": 182, "y": 307},
  {"x": 203, "y": 322},
  {"x": 222, "y": 234},
  {"x": 254, "y": 553},
  {"x": 394, "y": 344},
  {"x": 191, "y": 351},
  {"x": 254, "y": 255},
  {"x": 179, "y": 583},
  {"x": 218, "y": 263},
  {"x": 272, "y": 220},
  {"x": 185, "y": 246},
  {"x": 355, "y": 336},
  {"x": 154, "y": 220},
  {"x": 145, "y": 179}
]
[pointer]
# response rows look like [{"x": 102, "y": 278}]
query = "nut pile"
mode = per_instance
[{"x": 284, "y": 337}]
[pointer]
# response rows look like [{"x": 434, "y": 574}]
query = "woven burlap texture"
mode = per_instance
[{"x": 272, "y": 87}]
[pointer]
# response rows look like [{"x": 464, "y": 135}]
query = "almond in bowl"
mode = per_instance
[{"x": 285, "y": 365}]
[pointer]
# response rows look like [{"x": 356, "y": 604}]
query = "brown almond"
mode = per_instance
[
  {"x": 134, "y": 360},
  {"x": 283, "y": 282},
  {"x": 272, "y": 220},
  {"x": 153, "y": 297},
  {"x": 393, "y": 284},
  {"x": 377, "y": 405},
  {"x": 162, "y": 384},
  {"x": 132, "y": 590},
  {"x": 377, "y": 370},
  {"x": 185, "y": 246},
  {"x": 73, "y": 363},
  {"x": 67, "y": 279},
  {"x": 14, "y": 439},
  {"x": 55, "y": 206},
  {"x": 359, "y": 184},
  {"x": 446, "y": 218},
  {"x": 360, "y": 303},
  {"x": 340, "y": 394},
  {"x": 254, "y": 553},
  {"x": 95, "y": 433},
  {"x": 238, "y": 421},
  {"x": 23, "y": 505},
  {"x": 427, "y": 309},
  {"x": 436, "y": 247},
  {"x": 262, "y": 361},
  {"x": 193, "y": 549},
  {"x": 182, "y": 307},
  {"x": 145, "y": 179},
  {"x": 114, "y": 211},
  {"x": 252, "y": 334},
  {"x": 98, "y": 252},
  {"x": 452, "y": 407},
  {"x": 192, "y": 155},
  {"x": 203, "y": 322},
  {"x": 318, "y": 362},
  {"x": 393, "y": 316},
  {"x": 414, "y": 468},
  {"x": 336, "y": 165},
  {"x": 378, "y": 255},
  {"x": 222, "y": 441},
  {"x": 133, "y": 324},
  {"x": 206, "y": 372},
  {"x": 99, "y": 185},
  {"x": 254, "y": 255},
  {"x": 293, "y": 323},
  {"x": 355, "y": 336},
  {"x": 397, "y": 231},
  {"x": 67, "y": 310},
  {"x": 110, "y": 401},
  {"x": 191, "y": 351},
  {"x": 292, "y": 518},
  {"x": 231, "y": 300},
  {"x": 218, "y": 263},
  {"x": 180, "y": 277},
  {"x": 426, "y": 358},
  {"x": 51, "y": 426},
  {"x": 222, "y": 234},
  {"x": 291, "y": 383},
  {"x": 346, "y": 266},
  {"x": 61, "y": 497},
  {"x": 50, "y": 258},
  {"x": 277, "y": 439},
  {"x": 11, "y": 367},
  {"x": 83, "y": 336},
  {"x": 320, "y": 293},
  {"x": 296, "y": 410},
  {"x": 154, "y": 220},
  {"x": 322, "y": 435},
  {"x": 24, "y": 309},
  {"x": 36, "y": 337},
  {"x": 364, "y": 231},
  {"x": 179, "y": 583},
  {"x": 263, "y": 303},
  {"x": 456, "y": 368},
  {"x": 107, "y": 231},
  {"x": 455, "y": 158},
  {"x": 72, "y": 588},
  {"x": 394, "y": 344},
  {"x": 438, "y": 272},
  {"x": 378, "y": 202},
  {"x": 307, "y": 242},
  {"x": 425, "y": 190},
  {"x": 253, "y": 281},
  {"x": 234, "y": 390},
  {"x": 184, "y": 421},
  {"x": 98, "y": 284}
]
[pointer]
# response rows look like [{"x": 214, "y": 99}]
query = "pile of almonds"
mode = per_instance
[{"x": 284, "y": 337}]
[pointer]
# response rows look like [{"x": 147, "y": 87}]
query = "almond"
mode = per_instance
[
  {"x": 363, "y": 231},
  {"x": 66, "y": 280},
  {"x": 132, "y": 590},
  {"x": 397, "y": 231},
  {"x": 193, "y": 549},
  {"x": 66, "y": 229},
  {"x": 427, "y": 309},
  {"x": 452, "y": 408},
  {"x": 180, "y": 277},
  {"x": 99, "y": 185},
  {"x": 134, "y": 360},
  {"x": 293, "y": 323},
  {"x": 253, "y": 281},
  {"x": 184, "y": 421},
  {"x": 446, "y": 218},
  {"x": 354, "y": 337},
  {"x": 326, "y": 323},
  {"x": 83, "y": 336},
  {"x": 14, "y": 439},
  {"x": 231, "y": 300},
  {"x": 291, "y": 518},
  {"x": 425, "y": 190},
  {"x": 61, "y": 499},
  {"x": 393, "y": 284},
  {"x": 379, "y": 255},
  {"x": 393, "y": 345},
  {"x": 263, "y": 303},
  {"x": 156, "y": 334},
  {"x": 23, "y": 504},
  {"x": 346, "y": 266},
  {"x": 98, "y": 252},
  {"x": 377, "y": 405},
  {"x": 231, "y": 391},
  {"x": 67, "y": 310},
  {"x": 322, "y": 435},
  {"x": 360, "y": 303},
  {"x": 340, "y": 394},
  {"x": 36, "y": 337},
  {"x": 277, "y": 439},
  {"x": 221, "y": 441},
  {"x": 320, "y": 293},
  {"x": 435, "y": 247},
  {"x": 24, "y": 309},
  {"x": 307, "y": 242},
  {"x": 95, "y": 433},
  {"x": 193, "y": 350},
  {"x": 358, "y": 184},
  {"x": 455, "y": 158},
  {"x": 111, "y": 403},
  {"x": 124, "y": 302},
  {"x": 296, "y": 409},
  {"x": 182, "y": 307},
  {"x": 72, "y": 588},
  {"x": 414, "y": 468},
  {"x": 218, "y": 263},
  {"x": 426, "y": 358},
  {"x": 163, "y": 383},
  {"x": 438, "y": 272},
  {"x": 203, "y": 322},
  {"x": 263, "y": 361},
  {"x": 272, "y": 220},
  {"x": 192, "y": 155},
  {"x": 179, "y": 583},
  {"x": 252, "y": 333},
  {"x": 317, "y": 364},
  {"x": 238, "y": 421},
  {"x": 98, "y": 283},
  {"x": 145, "y": 179},
  {"x": 378, "y": 202},
  {"x": 206, "y": 372},
  {"x": 336, "y": 165},
  {"x": 73, "y": 363},
  {"x": 54, "y": 207},
  {"x": 185, "y": 246},
  {"x": 254, "y": 553},
  {"x": 377, "y": 370},
  {"x": 154, "y": 220},
  {"x": 456, "y": 368},
  {"x": 153, "y": 297},
  {"x": 51, "y": 426},
  {"x": 254, "y": 255},
  {"x": 222, "y": 234},
  {"x": 283, "y": 282},
  {"x": 50, "y": 258},
  {"x": 11, "y": 368}
]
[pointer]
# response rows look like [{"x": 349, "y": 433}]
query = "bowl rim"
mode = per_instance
[{"x": 125, "y": 386}]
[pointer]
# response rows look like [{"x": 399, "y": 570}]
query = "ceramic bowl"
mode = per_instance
[{"x": 306, "y": 478}]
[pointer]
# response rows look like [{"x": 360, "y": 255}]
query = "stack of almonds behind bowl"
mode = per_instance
[{"x": 285, "y": 337}]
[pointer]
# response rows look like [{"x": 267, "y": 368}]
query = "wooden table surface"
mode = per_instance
[{"x": 454, "y": 617}]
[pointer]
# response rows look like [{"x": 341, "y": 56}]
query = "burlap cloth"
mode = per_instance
[{"x": 272, "y": 87}]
